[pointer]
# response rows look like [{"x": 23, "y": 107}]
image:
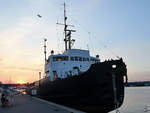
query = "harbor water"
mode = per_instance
[{"x": 137, "y": 100}]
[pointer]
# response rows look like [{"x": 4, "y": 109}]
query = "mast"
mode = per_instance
[
  {"x": 70, "y": 41},
  {"x": 65, "y": 26},
  {"x": 67, "y": 32},
  {"x": 45, "y": 50}
]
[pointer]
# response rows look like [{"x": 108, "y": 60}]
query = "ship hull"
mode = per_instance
[{"x": 91, "y": 91}]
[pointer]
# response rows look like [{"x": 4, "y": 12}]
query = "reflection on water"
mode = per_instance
[{"x": 137, "y": 100}]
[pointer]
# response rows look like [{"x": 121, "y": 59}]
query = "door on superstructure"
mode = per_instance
[{"x": 55, "y": 76}]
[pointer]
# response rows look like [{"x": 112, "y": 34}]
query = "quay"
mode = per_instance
[{"x": 27, "y": 104}]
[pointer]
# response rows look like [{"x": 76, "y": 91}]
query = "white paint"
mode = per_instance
[{"x": 64, "y": 68}]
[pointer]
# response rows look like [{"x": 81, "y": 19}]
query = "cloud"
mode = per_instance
[
  {"x": 17, "y": 57},
  {"x": 1, "y": 62},
  {"x": 24, "y": 68}
]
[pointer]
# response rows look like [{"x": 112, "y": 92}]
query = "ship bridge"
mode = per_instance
[
  {"x": 77, "y": 52},
  {"x": 70, "y": 63}
]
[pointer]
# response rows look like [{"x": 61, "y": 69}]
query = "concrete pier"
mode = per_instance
[{"x": 27, "y": 104}]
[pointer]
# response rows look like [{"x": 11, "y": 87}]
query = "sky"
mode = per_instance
[{"x": 109, "y": 28}]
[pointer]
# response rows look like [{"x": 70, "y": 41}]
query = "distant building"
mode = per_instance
[
  {"x": 137, "y": 84},
  {"x": 0, "y": 83}
]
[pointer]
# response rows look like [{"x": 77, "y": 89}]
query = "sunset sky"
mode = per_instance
[{"x": 109, "y": 28}]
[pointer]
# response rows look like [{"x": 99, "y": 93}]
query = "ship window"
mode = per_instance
[
  {"x": 84, "y": 59},
  {"x": 65, "y": 58},
  {"x": 97, "y": 61},
  {"x": 72, "y": 58},
  {"x": 87, "y": 59},
  {"x": 92, "y": 60},
  {"x": 80, "y": 58},
  {"x": 76, "y": 58},
  {"x": 60, "y": 58}
]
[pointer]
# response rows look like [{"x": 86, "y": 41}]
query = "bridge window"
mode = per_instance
[
  {"x": 87, "y": 59},
  {"x": 92, "y": 60},
  {"x": 84, "y": 59},
  {"x": 97, "y": 61},
  {"x": 65, "y": 58},
  {"x": 60, "y": 58},
  {"x": 80, "y": 58},
  {"x": 72, "y": 58},
  {"x": 76, "y": 58}
]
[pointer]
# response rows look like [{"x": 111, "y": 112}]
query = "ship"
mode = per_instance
[{"x": 79, "y": 80}]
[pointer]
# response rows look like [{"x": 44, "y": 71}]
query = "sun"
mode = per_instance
[{"x": 20, "y": 82}]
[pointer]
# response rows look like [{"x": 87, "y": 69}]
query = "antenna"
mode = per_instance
[
  {"x": 65, "y": 26},
  {"x": 45, "y": 49},
  {"x": 67, "y": 32}
]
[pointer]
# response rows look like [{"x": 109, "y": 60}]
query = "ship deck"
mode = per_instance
[{"x": 27, "y": 104}]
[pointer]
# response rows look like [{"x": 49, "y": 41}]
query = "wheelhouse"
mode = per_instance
[{"x": 70, "y": 63}]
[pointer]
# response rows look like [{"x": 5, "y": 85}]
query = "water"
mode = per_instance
[{"x": 137, "y": 100}]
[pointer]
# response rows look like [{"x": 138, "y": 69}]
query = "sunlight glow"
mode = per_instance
[{"x": 21, "y": 82}]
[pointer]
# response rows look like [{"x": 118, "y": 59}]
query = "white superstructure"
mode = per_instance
[{"x": 70, "y": 63}]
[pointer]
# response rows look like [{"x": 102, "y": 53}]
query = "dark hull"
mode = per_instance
[{"x": 91, "y": 91}]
